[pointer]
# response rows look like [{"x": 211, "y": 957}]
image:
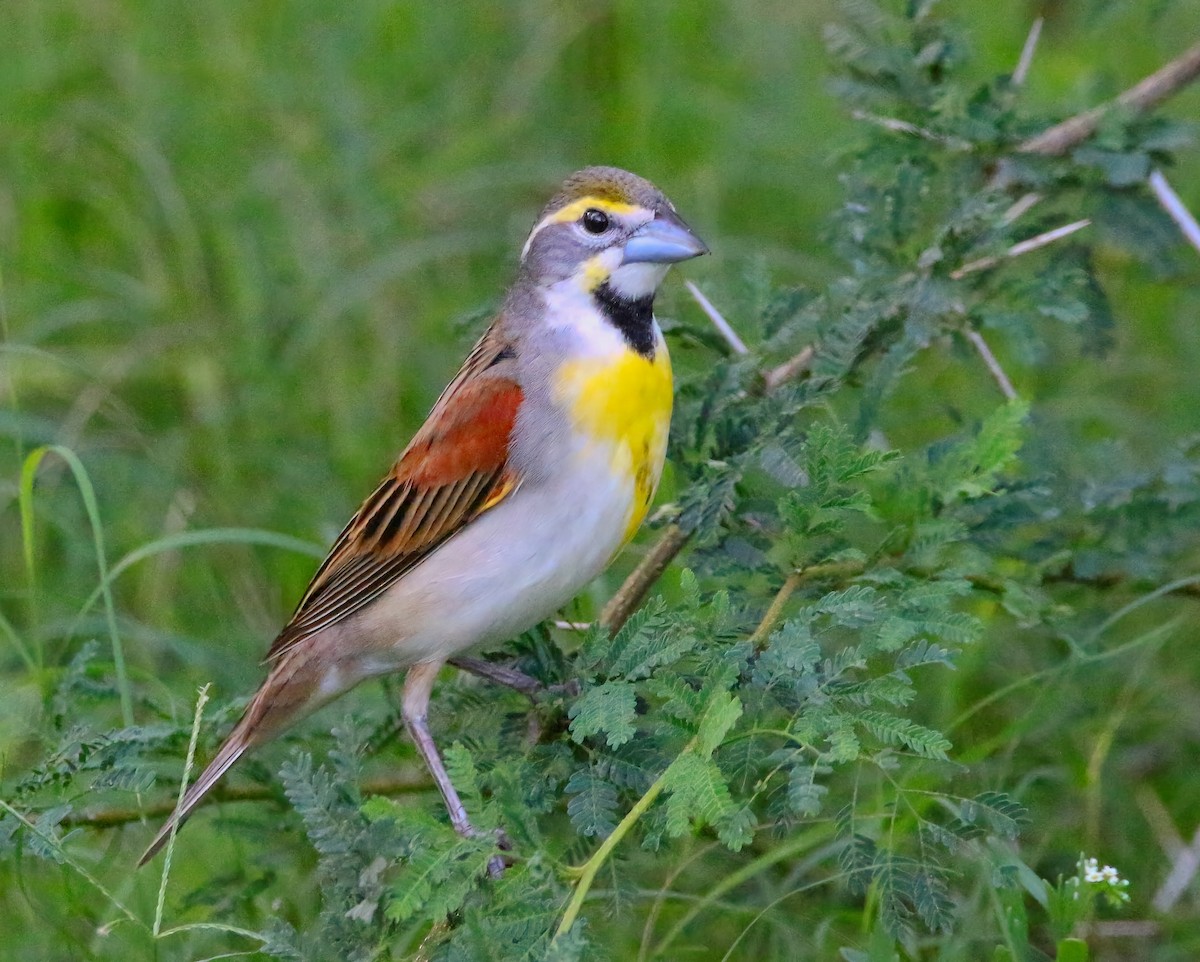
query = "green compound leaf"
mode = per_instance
[{"x": 609, "y": 708}]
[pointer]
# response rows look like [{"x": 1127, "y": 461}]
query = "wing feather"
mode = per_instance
[{"x": 455, "y": 468}]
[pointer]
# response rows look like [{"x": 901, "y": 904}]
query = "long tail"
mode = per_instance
[
  {"x": 285, "y": 697},
  {"x": 233, "y": 749}
]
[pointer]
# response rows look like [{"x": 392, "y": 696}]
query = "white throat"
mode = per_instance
[{"x": 636, "y": 281}]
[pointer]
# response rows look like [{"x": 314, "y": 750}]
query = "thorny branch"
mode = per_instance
[{"x": 1142, "y": 97}]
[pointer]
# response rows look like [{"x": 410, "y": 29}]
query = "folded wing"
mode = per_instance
[{"x": 455, "y": 468}]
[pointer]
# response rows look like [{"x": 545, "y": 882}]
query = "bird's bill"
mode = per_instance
[{"x": 664, "y": 240}]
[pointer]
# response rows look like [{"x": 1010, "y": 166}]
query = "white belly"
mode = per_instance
[{"x": 507, "y": 570}]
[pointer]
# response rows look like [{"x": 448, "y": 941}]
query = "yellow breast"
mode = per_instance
[{"x": 623, "y": 405}]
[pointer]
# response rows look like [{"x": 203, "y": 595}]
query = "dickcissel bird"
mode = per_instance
[{"x": 535, "y": 466}]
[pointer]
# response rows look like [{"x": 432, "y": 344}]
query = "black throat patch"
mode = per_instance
[{"x": 632, "y": 316}]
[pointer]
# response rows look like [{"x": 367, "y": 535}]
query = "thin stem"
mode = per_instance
[
  {"x": 56, "y": 845},
  {"x": 809, "y": 840},
  {"x": 10, "y": 632},
  {"x": 831, "y": 569},
  {"x": 87, "y": 492},
  {"x": 587, "y": 873},
  {"x": 775, "y": 610},
  {"x": 201, "y": 701},
  {"x": 899, "y": 126}
]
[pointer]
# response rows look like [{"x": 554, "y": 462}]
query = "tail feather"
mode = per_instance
[
  {"x": 233, "y": 749},
  {"x": 291, "y": 691}
]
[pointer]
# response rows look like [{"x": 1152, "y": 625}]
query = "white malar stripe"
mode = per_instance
[
  {"x": 636, "y": 281},
  {"x": 570, "y": 307}
]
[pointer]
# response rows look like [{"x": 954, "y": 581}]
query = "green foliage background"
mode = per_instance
[{"x": 243, "y": 246}]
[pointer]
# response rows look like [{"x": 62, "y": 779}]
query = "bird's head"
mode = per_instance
[{"x": 608, "y": 228}]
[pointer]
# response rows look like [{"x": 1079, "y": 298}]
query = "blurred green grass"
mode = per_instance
[{"x": 243, "y": 246}]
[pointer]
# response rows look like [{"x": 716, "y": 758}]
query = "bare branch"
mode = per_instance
[
  {"x": 993, "y": 365},
  {"x": 634, "y": 589},
  {"x": 1023, "y": 247},
  {"x": 411, "y": 783},
  {"x": 1175, "y": 207},
  {"x": 723, "y": 326},
  {"x": 1146, "y": 95},
  {"x": 801, "y": 576},
  {"x": 1031, "y": 42}
]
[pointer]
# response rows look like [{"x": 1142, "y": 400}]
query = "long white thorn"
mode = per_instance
[
  {"x": 1031, "y": 42},
  {"x": 1024, "y": 247},
  {"x": 1175, "y": 208},
  {"x": 993, "y": 365},
  {"x": 719, "y": 322}
]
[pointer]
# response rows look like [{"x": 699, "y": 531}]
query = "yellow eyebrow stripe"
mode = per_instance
[{"x": 575, "y": 210}]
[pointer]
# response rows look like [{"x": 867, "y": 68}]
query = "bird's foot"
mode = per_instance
[{"x": 497, "y": 863}]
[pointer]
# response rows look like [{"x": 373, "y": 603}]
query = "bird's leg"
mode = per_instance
[
  {"x": 512, "y": 677},
  {"x": 500, "y": 674},
  {"x": 414, "y": 706}
]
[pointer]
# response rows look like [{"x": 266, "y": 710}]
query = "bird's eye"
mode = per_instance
[{"x": 595, "y": 221}]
